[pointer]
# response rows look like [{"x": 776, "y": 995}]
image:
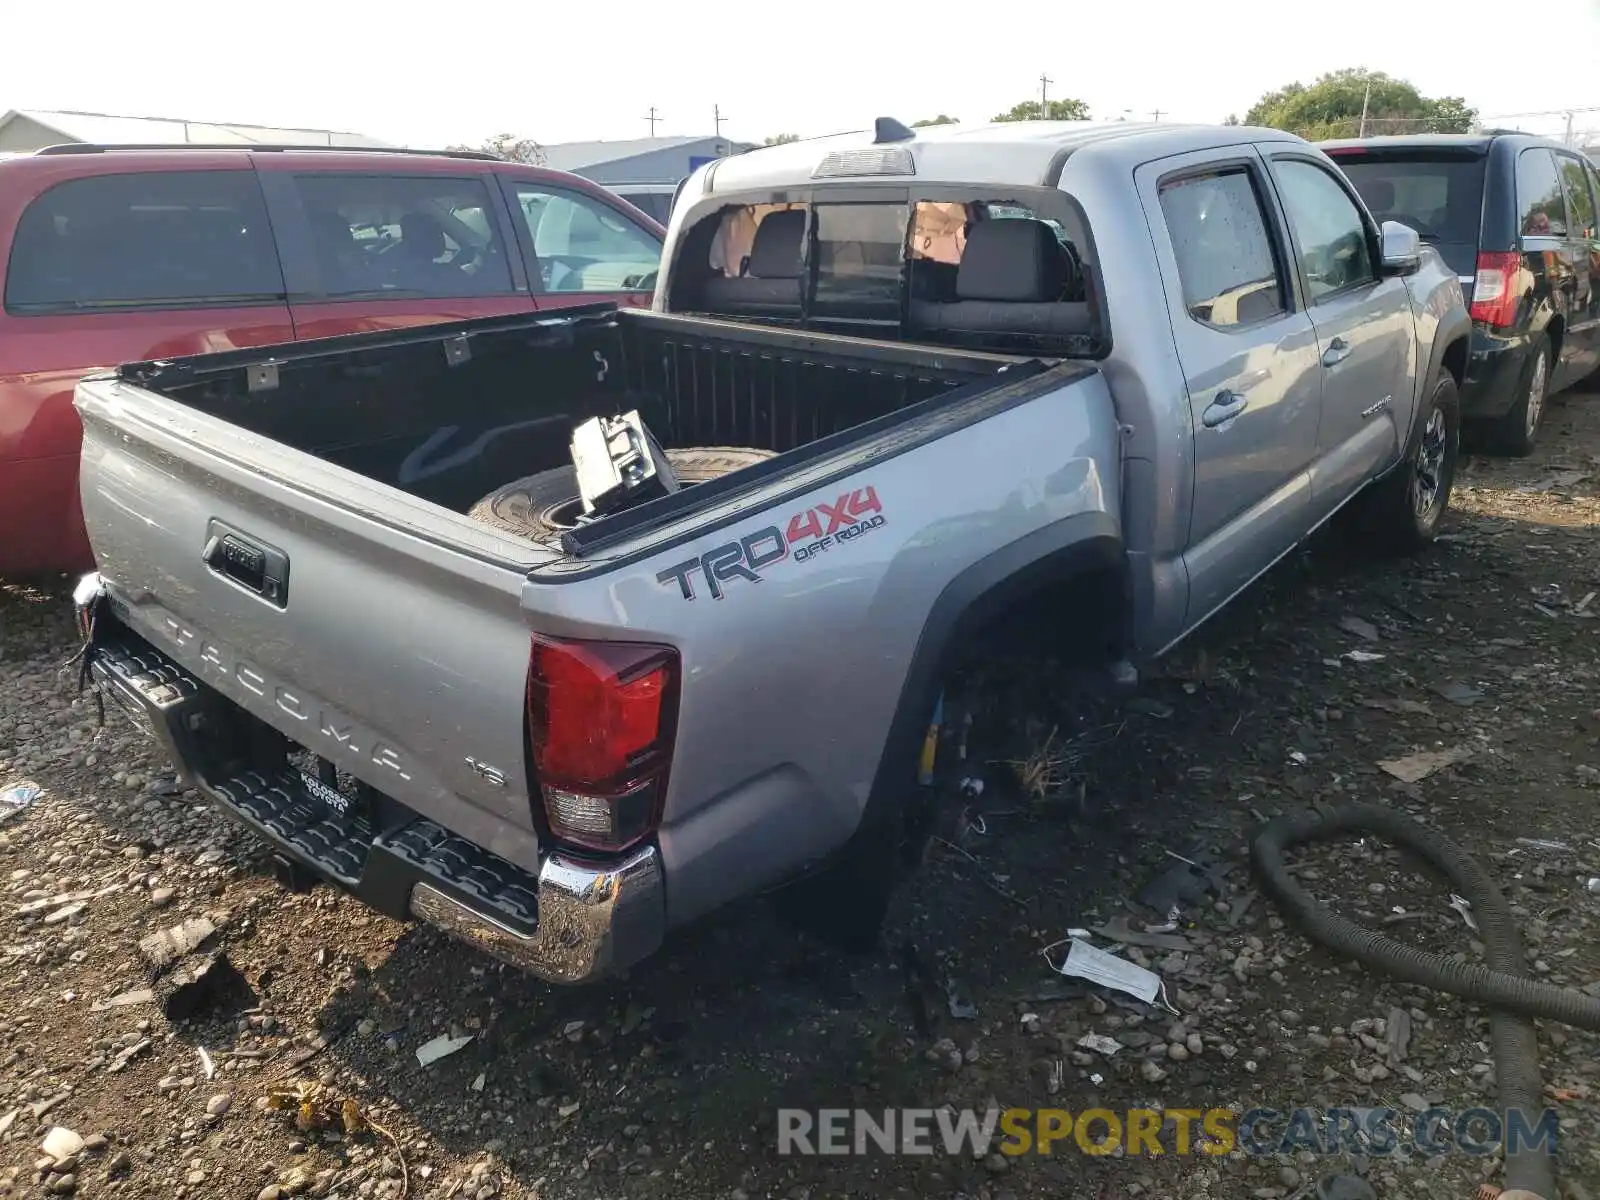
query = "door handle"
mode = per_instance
[
  {"x": 1338, "y": 350},
  {"x": 1223, "y": 409}
]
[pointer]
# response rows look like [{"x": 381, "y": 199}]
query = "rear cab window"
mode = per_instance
[
  {"x": 172, "y": 239},
  {"x": 403, "y": 235},
  {"x": 843, "y": 260}
]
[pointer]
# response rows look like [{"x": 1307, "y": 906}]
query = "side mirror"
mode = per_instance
[{"x": 1402, "y": 249}]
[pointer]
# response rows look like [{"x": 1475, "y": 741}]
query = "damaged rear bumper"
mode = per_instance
[{"x": 573, "y": 922}]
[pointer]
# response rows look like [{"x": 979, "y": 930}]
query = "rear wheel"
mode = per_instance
[
  {"x": 1402, "y": 511},
  {"x": 547, "y": 504},
  {"x": 1514, "y": 433}
]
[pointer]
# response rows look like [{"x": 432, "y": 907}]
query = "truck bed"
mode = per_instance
[{"x": 448, "y": 417}]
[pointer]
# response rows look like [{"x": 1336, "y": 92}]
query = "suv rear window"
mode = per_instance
[
  {"x": 1440, "y": 197},
  {"x": 168, "y": 239}
]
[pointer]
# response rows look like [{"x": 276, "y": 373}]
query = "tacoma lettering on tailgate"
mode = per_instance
[
  {"x": 319, "y": 727},
  {"x": 807, "y": 535}
]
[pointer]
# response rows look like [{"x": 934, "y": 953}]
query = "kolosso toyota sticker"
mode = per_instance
[{"x": 807, "y": 535}]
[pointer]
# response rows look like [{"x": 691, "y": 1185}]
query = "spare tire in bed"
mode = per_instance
[{"x": 547, "y": 504}]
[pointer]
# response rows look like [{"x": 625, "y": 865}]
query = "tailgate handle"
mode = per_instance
[{"x": 251, "y": 564}]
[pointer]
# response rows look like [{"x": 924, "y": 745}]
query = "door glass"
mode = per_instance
[
  {"x": 403, "y": 235},
  {"x": 583, "y": 245},
  {"x": 1579, "y": 203},
  {"x": 1544, "y": 214},
  {"x": 1334, "y": 251},
  {"x": 1225, "y": 260},
  {"x": 174, "y": 239}
]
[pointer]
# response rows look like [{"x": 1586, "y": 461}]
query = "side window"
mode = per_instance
[
  {"x": 1579, "y": 203},
  {"x": 1539, "y": 195},
  {"x": 583, "y": 245},
  {"x": 403, "y": 235},
  {"x": 1594, "y": 191},
  {"x": 1225, "y": 261},
  {"x": 174, "y": 239},
  {"x": 1334, "y": 251}
]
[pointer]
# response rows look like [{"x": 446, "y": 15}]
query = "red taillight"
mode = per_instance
[
  {"x": 1495, "y": 294},
  {"x": 600, "y": 718}
]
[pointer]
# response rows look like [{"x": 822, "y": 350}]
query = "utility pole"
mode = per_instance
[
  {"x": 1567, "y": 141},
  {"x": 717, "y": 118},
  {"x": 1157, "y": 113},
  {"x": 653, "y": 117},
  {"x": 1365, "y": 99},
  {"x": 1044, "y": 103}
]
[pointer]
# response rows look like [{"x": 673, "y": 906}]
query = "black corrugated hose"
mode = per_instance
[{"x": 1513, "y": 999}]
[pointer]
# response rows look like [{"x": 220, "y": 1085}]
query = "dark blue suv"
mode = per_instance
[{"x": 1515, "y": 217}]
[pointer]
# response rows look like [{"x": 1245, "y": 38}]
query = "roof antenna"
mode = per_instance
[{"x": 887, "y": 129}]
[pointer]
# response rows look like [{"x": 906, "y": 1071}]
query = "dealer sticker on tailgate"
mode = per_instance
[{"x": 331, "y": 796}]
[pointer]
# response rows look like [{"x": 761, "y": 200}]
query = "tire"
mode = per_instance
[
  {"x": 546, "y": 505},
  {"x": 1401, "y": 512},
  {"x": 1514, "y": 433}
]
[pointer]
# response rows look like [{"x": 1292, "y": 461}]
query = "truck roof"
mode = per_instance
[{"x": 1020, "y": 153}]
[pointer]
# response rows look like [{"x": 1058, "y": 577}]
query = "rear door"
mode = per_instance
[
  {"x": 1249, "y": 360},
  {"x": 1548, "y": 255},
  {"x": 105, "y": 269},
  {"x": 579, "y": 248},
  {"x": 367, "y": 250},
  {"x": 1366, "y": 335},
  {"x": 1583, "y": 240}
]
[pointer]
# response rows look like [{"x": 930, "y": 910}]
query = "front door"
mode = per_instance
[
  {"x": 580, "y": 249},
  {"x": 1366, "y": 335},
  {"x": 1249, "y": 360}
]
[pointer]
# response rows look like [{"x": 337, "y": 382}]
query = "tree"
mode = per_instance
[
  {"x": 1233, "y": 119},
  {"x": 941, "y": 119},
  {"x": 509, "y": 147},
  {"x": 1060, "y": 110},
  {"x": 783, "y": 139},
  {"x": 1331, "y": 107}
]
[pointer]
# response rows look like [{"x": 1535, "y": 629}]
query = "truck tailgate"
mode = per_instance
[{"x": 295, "y": 601}]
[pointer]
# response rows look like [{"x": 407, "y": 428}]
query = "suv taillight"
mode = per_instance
[
  {"x": 1494, "y": 292},
  {"x": 600, "y": 722}
]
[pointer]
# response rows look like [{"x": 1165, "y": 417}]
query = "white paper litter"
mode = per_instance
[
  {"x": 1100, "y": 1044},
  {"x": 61, "y": 1142},
  {"x": 1085, "y": 962},
  {"x": 1414, "y": 768},
  {"x": 441, "y": 1047}
]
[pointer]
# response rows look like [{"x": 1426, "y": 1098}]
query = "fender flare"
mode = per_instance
[
  {"x": 1081, "y": 544},
  {"x": 1453, "y": 328}
]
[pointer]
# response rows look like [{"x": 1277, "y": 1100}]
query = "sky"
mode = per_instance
[{"x": 431, "y": 75}]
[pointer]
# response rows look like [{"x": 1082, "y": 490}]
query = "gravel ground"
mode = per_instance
[{"x": 665, "y": 1084}]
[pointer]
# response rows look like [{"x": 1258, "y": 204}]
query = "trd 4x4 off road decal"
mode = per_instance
[{"x": 807, "y": 535}]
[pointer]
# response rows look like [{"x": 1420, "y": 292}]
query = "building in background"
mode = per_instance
[
  {"x": 658, "y": 160},
  {"x": 26, "y": 130}
]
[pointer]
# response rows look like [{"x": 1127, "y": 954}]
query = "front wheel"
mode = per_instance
[{"x": 1402, "y": 511}]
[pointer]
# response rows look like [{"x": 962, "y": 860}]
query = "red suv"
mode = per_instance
[{"x": 118, "y": 254}]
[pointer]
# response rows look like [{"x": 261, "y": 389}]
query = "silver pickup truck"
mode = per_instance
[{"x": 908, "y": 385}]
